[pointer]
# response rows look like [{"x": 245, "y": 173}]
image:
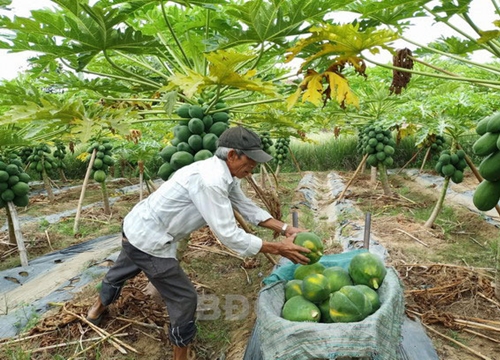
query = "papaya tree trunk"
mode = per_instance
[
  {"x": 46, "y": 183},
  {"x": 439, "y": 205},
  {"x": 63, "y": 176},
  {"x": 373, "y": 175},
  {"x": 384, "y": 179},
  {"x": 82, "y": 194},
  {"x": 105, "y": 199},
  {"x": 497, "y": 274},
  {"x": 12, "y": 237},
  {"x": 18, "y": 234}
]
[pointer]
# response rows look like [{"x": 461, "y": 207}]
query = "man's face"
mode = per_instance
[{"x": 240, "y": 166}]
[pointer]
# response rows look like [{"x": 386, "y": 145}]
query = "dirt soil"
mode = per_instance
[{"x": 449, "y": 290}]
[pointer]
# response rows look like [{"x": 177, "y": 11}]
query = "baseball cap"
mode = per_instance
[{"x": 245, "y": 140}]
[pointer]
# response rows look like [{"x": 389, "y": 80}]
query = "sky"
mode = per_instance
[{"x": 482, "y": 13}]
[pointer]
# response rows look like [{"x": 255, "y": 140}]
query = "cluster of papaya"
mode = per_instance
[
  {"x": 378, "y": 144},
  {"x": 487, "y": 194},
  {"x": 452, "y": 165},
  {"x": 281, "y": 148},
  {"x": 335, "y": 294},
  {"x": 59, "y": 155},
  {"x": 195, "y": 136},
  {"x": 40, "y": 159},
  {"x": 267, "y": 142},
  {"x": 13, "y": 182},
  {"x": 435, "y": 142},
  {"x": 103, "y": 159},
  {"x": 25, "y": 153}
]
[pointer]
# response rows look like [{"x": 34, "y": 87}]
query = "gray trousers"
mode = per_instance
[{"x": 168, "y": 278}]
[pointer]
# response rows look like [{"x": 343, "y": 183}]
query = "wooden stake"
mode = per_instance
[
  {"x": 294, "y": 160},
  {"x": 18, "y": 234},
  {"x": 140, "y": 163},
  {"x": 425, "y": 159},
  {"x": 409, "y": 161},
  {"x": 82, "y": 194},
  {"x": 360, "y": 166},
  {"x": 118, "y": 344},
  {"x": 481, "y": 335},
  {"x": 48, "y": 240}
]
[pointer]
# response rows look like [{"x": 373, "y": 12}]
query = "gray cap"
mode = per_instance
[{"x": 245, "y": 140}]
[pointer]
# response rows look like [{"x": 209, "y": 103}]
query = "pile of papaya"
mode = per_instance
[{"x": 333, "y": 294}]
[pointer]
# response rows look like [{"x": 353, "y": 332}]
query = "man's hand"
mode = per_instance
[
  {"x": 293, "y": 252},
  {"x": 293, "y": 231}
]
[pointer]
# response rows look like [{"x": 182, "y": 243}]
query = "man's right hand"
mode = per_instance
[{"x": 293, "y": 252}]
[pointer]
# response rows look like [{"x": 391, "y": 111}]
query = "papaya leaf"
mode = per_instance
[
  {"x": 342, "y": 41},
  {"x": 75, "y": 32},
  {"x": 274, "y": 21},
  {"x": 488, "y": 36},
  {"x": 189, "y": 83},
  {"x": 223, "y": 66},
  {"x": 339, "y": 86},
  {"x": 317, "y": 88},
  {"x": 390, "y": 12}
]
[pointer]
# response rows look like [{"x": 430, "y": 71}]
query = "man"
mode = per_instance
[{"x": 203, "y": 193}]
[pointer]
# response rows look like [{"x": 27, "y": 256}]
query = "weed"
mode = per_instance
[{"x": 27, "y": 318}]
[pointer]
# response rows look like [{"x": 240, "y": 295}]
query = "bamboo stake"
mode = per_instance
[
  {"x": 481, "y": 335},
  {"x": 99, "y": 340},
  {"x": 425, "y": 159},
  {"x": 82, "y": 194},
  {"x": 488, "y": 299},
  {"x": 294, "y": 160},
  {"x": 140, "y": 163},
  {"x": 7, "y": 341},
  {"x": 479, "y": 320},
  {"x": 55, "y": 346},
  {"x": 48, "y": 240},
  {"x": 118, "y": 344},
  {"x": 413, "y": 237},
  {"x": 245, "y": 227},
  {"x": 360, "y": 166},
  {"x": 477, "y": 325},
  {"x": 478, "y": 354},
  {"x": 18, "y": 234},
  {"x": 409, "y": 161}
]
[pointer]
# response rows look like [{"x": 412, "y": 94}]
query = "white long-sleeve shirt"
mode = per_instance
[{"x": 198, "y": 194}]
